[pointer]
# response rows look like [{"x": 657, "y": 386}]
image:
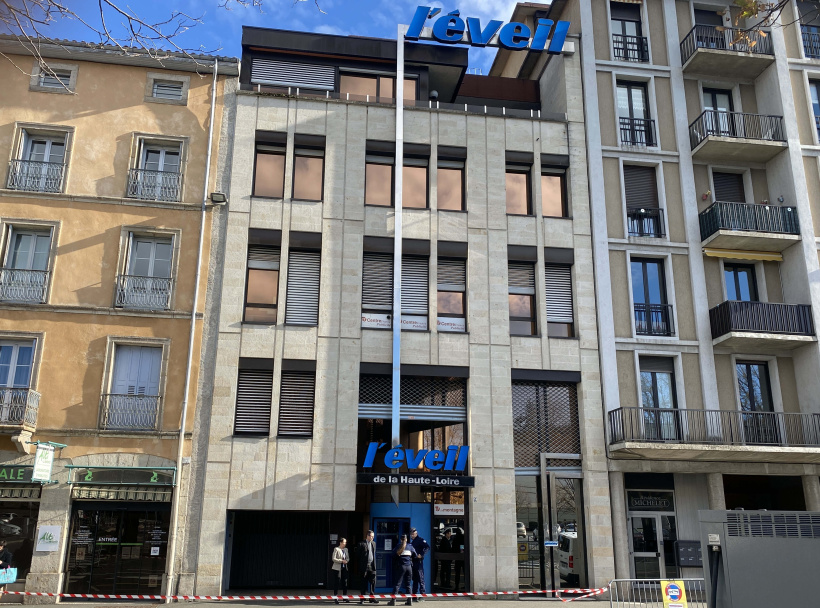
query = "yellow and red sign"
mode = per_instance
[{"x": 674, "y": 595}]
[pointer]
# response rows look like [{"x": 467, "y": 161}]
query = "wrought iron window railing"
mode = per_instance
[
  {"x": 735, "y": 124},
  {"x": 150, "y": 293},
  {"x": 716, "y": 427},
  {"x": 645, "y": 222},
  {"x": 725, "y": 39},
  {"x": 630, "y": 48},
  {"x": 129, "y": 412},
  {"x": 654, "y": 320},
  {"x": 18, "y": 407},
  {"x": 811, "y": 42},
  {"x": 35, "y": 176},
  {"x": 748, "y": 217},
  {"x": 154, "y": 185},
  {"x": 637, "y": 131},
  {"x": 21, "y": 285},
  {"x": 761, "y": 317}
]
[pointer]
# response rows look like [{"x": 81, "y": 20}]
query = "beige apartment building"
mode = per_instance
[
  {"x": 705, "y": 204},
  {"x": 103, "y": 210}
]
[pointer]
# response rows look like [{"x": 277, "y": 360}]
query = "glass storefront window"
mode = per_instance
[{"x": 18, "y": 525}]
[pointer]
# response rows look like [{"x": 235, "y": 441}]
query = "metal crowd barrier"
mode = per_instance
[{"x": 647, "y": 593}]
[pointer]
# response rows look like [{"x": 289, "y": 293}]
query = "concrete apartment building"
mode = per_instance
[
  {"x": 101, "y": 204},
  {"x": 498, "y": 341},
  {"x": 705, "y": 195}
]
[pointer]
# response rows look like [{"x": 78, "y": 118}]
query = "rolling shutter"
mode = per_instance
[
  {"x": 377, "y": 281},
  {"x": 559, "y": 293},
  {"x": 302, "y": 302},
  {"x": 263, "y": 257},
  {"x": 641, "y": 187},
  {"x": 254, "y": 392},
  {"x": 729, "y": 187},
  {"x": 521, "y": 278},
  {"x": 288, "y": 74},
  {"x": 415, "y": 287},
  {"x": 452, "y": 275},
  {"x": 296, "y": 404}
]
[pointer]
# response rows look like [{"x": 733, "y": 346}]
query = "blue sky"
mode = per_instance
[{"x": 221, "y": 29}]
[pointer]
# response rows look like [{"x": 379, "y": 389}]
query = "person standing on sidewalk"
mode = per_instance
[
  {"x": 446, "y": 547},
  {"x": 340, "y": 561},
  {"x": 403, "y": 572},
  {"x": 367, "y": 566},
  {"x": 421, "y": 547}
]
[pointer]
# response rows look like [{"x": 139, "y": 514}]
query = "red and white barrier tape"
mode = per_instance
[{"x": 581, "y": 593}]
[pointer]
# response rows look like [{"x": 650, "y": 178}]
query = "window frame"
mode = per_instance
[
  {"x": 386, "y": 309},
  {"x": 533, "y": 319},
  {"x": 245, "y": 302},
  {"x": 463, "y": 291},
  {"x": 416, "y": 161},
  {"x": 295, "y": 372},
  {"x": 37, "y": 74},
  {"x": 381, "y": 159},
  {"x": 572, "y": 325},
  {"x": 749, "y": 363},
  {"x": 127, "y": 236},
  {"x": 269, "y": 150},
  {"x": 442, "y": 163},
  {"x": 732, "y": 268},
  {"x": 561, "y": 173},
  {"x": 377, "y": 76},
  {"x": 265, "y": 366},
  {"x": 518, "y": 169},
  {"x": 304, "y": 152},
  {"x": 16, "y": 343},
  {"x": 7, "y": 228},
  {"x": 154, "y": 77},
  {"x": 631, "y": 85}
]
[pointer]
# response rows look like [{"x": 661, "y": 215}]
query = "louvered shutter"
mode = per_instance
[
  {"x": 288, "y": 74},
  {"x": 377, "y": 281},
  {"x": 452, "y": 275},
  {"x": 296, "y": 404},
  {"x": 641, "y": 187},
  {"x": 263, "y": 257},
  {"x": 302, "y": 302},
  {"x": 167, "y": 90},
  {"x": 415, "y": 285},
  {"x": 559, "y": 293},
  {"x": 137, "y": 370},
  {"x": 254, "y": 392},
  {"x": 521, "y": 278},
  {"x": 729, "y": 187}
]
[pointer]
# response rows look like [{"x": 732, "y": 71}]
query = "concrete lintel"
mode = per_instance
[
  {"x": 721, "y": 62},
  {"x": 746, "y": 240},
  {"x": 751, "y": 342},
  {"x": 737, "y": 149},
  {"x": 708, "y": 452}
]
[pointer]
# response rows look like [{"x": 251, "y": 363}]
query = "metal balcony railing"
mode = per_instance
[
  {"x": 725, "y": 39},
  {"x": 154, "y": 185},
  {"x": 715, "y": 427},
  {"x": 645, "y": 222},
  {"x": 35, "y": 176},
  {"x": 637, "y": 131},
  {"x": 735, "y": 124},
  {"x": 150, "y": 293},
  {"x": 747, "y": 217},
  {"x": 630, "y": 48},
  {"x": 761, "y": 317},
  {"x": 18, "y": 407},
  {"x": 654, "y": 320},
  {"x": 19, "y": 285},
  {"x": 811, "y": 42},
  {"x": 129, "y": 412}
]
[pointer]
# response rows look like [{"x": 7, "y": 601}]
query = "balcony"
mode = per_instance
[
  {"x": 23, "y": 286},
  {"x": 706, "y": 435},
  {"x": 760, "y": 327},
  {"x": 749, "y": 227},
  {"x": 735, "y": 136},
  {"x": 163, "y": 186},
  {"x": 709, "y": 51},
  {"x": 637, "y": 132},
  {"x": 645, "y": 222},
  {"x": 654, "y": 320},
  {"x": 630, "y": 48},
  {"x": 129, "y": 413},
  {"x": 811, "y": 42},
  {"x": 18, "y": 409},
  {"x": 146, "y": 293},
  {"x": 35, "y": 176}
]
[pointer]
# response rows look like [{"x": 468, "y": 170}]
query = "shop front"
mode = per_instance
[{"x": 19, "y": 510}]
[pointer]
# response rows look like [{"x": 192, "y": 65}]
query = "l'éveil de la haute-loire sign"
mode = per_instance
[
  {"x": 452, "y": 460},
  {"x": 514, "y": 36}
]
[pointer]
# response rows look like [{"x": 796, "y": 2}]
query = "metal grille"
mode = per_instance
[
  {"x": 254, "y": 394},
  {"x": 415, "y": 285},
  {"x": 646, "y": 593},
  {"x": 302, "y": 303},
  {"x": 23, "y": 285},
  {"x": 149, "y": 293},
  {"x": 296, "y": 404},
  {"x": 559, "y": 293},
  {"x": 521, "y": 277},
  {"x": 773, "y": 525},
  {"x": 20, "y": 491},
  {"x": 114, "y": 492},
  {"x": 377, "y": 281},
  {"x": 154, "y": 185},
  {"x": 19, "y": 406},
  {"x": 36, "y": 176},
  {"x": 415, "y": 390},
  {"x": 130, "y": 412},
  {"x": 167, "y": 90},
  {"x": 545, "y": 419},
  {"x": 288, "y": 74}
]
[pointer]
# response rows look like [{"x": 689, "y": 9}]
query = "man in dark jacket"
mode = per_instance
[
  {"x": 367, "y": 566},
  {"x": 445, "y": 547},
  {"x": 421, "y": 547},
  {"x": 403, "y": 572}
]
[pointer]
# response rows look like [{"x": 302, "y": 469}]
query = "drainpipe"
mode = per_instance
[{"x": 172, "y": 533}]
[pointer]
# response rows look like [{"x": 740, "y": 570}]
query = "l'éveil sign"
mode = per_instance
[
  {"x": 452, "y": 29},
  {"x": 454, "y": 459},
  {"x": 43, "y": 462}
]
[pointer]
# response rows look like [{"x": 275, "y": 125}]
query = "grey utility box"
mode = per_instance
[{"x": 766, "y": 558}]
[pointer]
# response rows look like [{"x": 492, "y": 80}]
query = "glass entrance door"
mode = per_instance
[
  {"x": 388, "y": 532},
  {"x": 652, "y": 545}
]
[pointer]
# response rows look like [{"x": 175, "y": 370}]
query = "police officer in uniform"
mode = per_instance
[{"x": 421, "y": 547}]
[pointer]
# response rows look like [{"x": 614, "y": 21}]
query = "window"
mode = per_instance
[
  {"x": 633, "y": 115},
  {"x": 24, "y": 276},
  {"x": 708, "y": 36},
  {"x": 157, "y": 176},
  {"x": 518, "y": 190},
  {"x": 522, "y": 298},
  {"x": 16, "y": 361},
  {"x": 41, "y": 165},
  {"x": 296, "y": 404},
  {"x": 450, "y": 185},
  {"x": 643, "y": 213},
  {"x": 166, "y": 90},
  {"x": 262, "y": 284},
  {"x": 414, "y": 183},
  {"x": 364, "y": 87},
  {"x": 291, "y": 74},
  {"x": 377, "y": 290},
  {"x": 658, "y": 393},
  {"x": 814, "y": 89},
  {"x": 760, "y": 425},
  {"x": 302, "y": 299},
  {"x": 308, "y": 174},
  {"x": 628, "y": 42},
  {"x": 56, "y": 78},
  {"x": 653, "y": 316},
  {"x": 718, "y": 108},
  {"x": 269, "y": 173},
  {"x": 415, "y": 292},
  {"x": 452, "y": 294},
  {"x": 254, "y": 395},
  {"x": 147, "y": 280},
  {"x": 560, "y": 318},
  {"x": 553, "y": 193},
  {"x": 378, "y": 178},
  {"x": 729, "y": 187},
  {"x": 133, "y": 403},
  {"x": 740, "y": 282},
  {"x": 545, "y": 419}
]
